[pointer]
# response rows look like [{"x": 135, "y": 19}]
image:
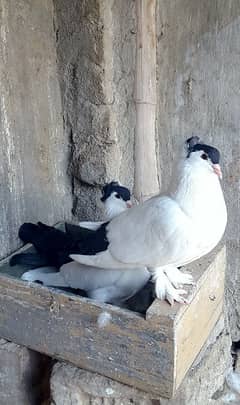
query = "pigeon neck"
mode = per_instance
[
  {"x": 198, "y": 190},
  {"x": 113, "y": 209}
]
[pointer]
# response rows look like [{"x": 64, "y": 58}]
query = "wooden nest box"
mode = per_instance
[{"x": 152, "y": 353}]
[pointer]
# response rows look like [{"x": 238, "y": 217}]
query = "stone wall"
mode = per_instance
[
  {"x": 198, "y": 93},
  {"x": 24, "y": 375},
  {"x": 34, "y": 148},
  {"x": 96, "y": 56}
]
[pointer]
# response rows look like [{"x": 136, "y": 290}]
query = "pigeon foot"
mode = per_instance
[
  {"x": 177, "y": 277},
  {"x": 164, "y": 288}
]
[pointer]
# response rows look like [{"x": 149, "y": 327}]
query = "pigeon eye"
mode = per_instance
[
  {"x": 204, "y": 156},
  {"x": 117, "y": 196}
]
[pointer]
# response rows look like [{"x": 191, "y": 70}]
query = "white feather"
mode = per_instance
[
  {"x": 114, "y": 206},
  {"x": 102, "y": 285},
  {"x": 90, "y": 225}
]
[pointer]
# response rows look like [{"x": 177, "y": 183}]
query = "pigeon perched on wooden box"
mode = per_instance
[
  {"x": 166, "y": 231},
  {"x": 53, "y": 245}
]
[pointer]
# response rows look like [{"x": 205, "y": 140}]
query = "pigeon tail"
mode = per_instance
[
  {"x": 78, "y": 232},
  {"x": 27, "y": 232},
  {"x": 52, "y": 244},
  {"x": 32, "y": 260}
]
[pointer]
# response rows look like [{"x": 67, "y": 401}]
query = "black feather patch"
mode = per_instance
[
  {"x": 112, "y": 187},
  {"x": 52, "y": 244},
  {"x": 94, "y": 243},
  {"x": 212, "y": 153},
  {"x": 32, "y": 260},
  {"x": 192, "y": 141},
  {"x": 76, "y": 232}
]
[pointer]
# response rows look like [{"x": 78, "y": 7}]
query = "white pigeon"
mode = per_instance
[
  {"x": 116, "y": 199},
  {"x": 99, "y": 284},
  {"x": 166, "y": 231}
]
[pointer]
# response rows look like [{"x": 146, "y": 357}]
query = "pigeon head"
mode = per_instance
[
  {"x": 207, "y": 155},
  {"x": 116, "y": 198}
]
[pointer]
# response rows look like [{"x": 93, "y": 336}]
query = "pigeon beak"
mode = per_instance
[
  {"x": 217, "y": 170},
  {"x": 129, "y": 204}
]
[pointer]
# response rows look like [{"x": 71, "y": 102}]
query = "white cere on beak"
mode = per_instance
[
  {"x": 129, "y": 204},
  {"x": 217, "y": 170}
]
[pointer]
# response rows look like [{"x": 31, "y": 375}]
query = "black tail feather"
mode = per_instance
[
  {"x": 27, "y": 232},
  {"x": 44, "y": 238},
  {"x": 54, "y": 246},
  {"x": 32, "y": 260},
  {"x": 76, "y": 232}
]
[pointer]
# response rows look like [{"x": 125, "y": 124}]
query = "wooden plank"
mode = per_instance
[
  {"x": 64, "y": 326},
  {"x": 197, "y": 322}
]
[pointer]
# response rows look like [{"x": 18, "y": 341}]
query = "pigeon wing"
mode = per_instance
[{"x": 155, "y": 233}]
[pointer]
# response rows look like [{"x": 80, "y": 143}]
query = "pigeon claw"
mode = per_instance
[
  {"x": 166, "y": 291},
  {"x": 176, "y": 296},
  {"x": 178, "y": 278}
]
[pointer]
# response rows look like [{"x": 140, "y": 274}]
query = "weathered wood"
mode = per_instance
[
  {"x": 195, "y": 325},
  {"x": 151, "y": 354}
]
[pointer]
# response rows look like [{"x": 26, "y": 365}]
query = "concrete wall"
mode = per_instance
[
  {"x": 198, "y": 61},
  {"x": 34, "y": 148}
]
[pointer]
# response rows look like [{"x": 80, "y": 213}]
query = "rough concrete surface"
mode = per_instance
[
  {"x": 71, "y": 385},
  {"x": 199, "y": 93},
  {"x": 34, "y": 150},
  {"x": 96, "y": 57},
  {"x": 21, "y": 375}
]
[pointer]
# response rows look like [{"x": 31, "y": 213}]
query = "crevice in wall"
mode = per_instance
[
  {"x": 71, "y": 147},
  {"x": 38, "y": 383},
  {"x": 44, "y": 382},
  {"x": 235, "y": 351}
]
